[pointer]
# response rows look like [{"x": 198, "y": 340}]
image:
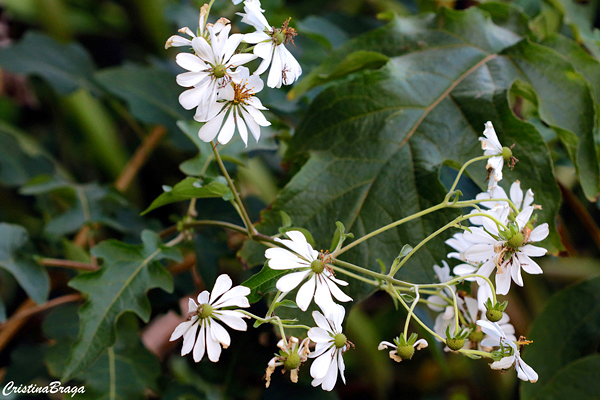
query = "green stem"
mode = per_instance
[
  {"x": 462, "y": 278},
  {"x": 387, "y": 227},
  {"x": 374, "y": 274},
  {"x": 455, "y": 305},
  {"x": 241, "y": 210},
  {"x": 462, "y": 169},
  {"x": 355, "y": 276},
  {"x": 391, "y": 291},
  {"x": 476, "y": 352},
  {"x": 411, "y": 310},
  {"x": 466, "y": 203}
]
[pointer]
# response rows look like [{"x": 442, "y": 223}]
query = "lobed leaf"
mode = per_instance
[
  {"x": 129, "y": 271},
  {"x": 192, "y": 188},
  {"x": 17, "y": 259}
]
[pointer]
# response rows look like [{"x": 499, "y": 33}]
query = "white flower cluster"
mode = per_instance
[
  {"x": 221, "y": 90},
  {"x": 500, "y": 240}
]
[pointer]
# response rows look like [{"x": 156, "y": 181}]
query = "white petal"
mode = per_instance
[
  {"x": 241, "y": 126},
  {"x": 241, "y": 59},
  {"x": 189, "y": 79},
  {"x": 319, "y": 335},
  {"x": 256, "y": 37},
  {"x": 203, "y": 297},
  {"x": 529, "y": 266},
  {"x": 200, "y": 346},
  {"x": 252, "y": 124},
  {"x": 525, "y": 372},
  {"x": 323, "y": 298},
  {"x": 305, "y": 294},
  {"x": 439, "y": 304},
  {"x": 275, "y": 73},
  {"x": 227, "y": 130},
  {"x": 258, "y": 116},
  {"x": 528, "y": 198},
  {"x": 237, "y": 293},
  {"x": 342, "y": 366},
  {"x": 320, "y": 366},
  {"x": 503, "y": 281},
  {"x": 337, "y": 292},
  {"x": 480, "y": 252},
  {"x": 203, "y": 50},
  {"x": 190, "y": 62},
  {"x": 191, "y": 98},
  {"x": 222, "y": 284},
  {"x": 288, "y": 282},
  {"x": 189, "y": 338},
  {"x": 233, "y": 319},
  {"x": 504, "y": 363},
  {"x": 300, "y": 244},
  {"x": 330, "y": 378},
  {"x": 210, "y": 129},
  {"x": 523, "y": 217},
  {"x": 180, "y": 330},
  {"x": 321, "y": 321},
  {"x": 213, "y": 348},
  {"x": 231, "y": 45},
  {"x": 220, "y": 334},
  {"x": 539, "y": 233}
]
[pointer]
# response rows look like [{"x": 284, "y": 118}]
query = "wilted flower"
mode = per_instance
[
  {"x": 403, "y": 349},
  {"x": 206, "y": 313},
  {"x": 291, "y": 357}
]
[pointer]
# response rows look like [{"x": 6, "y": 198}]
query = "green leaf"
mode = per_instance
[
  {"x": 66, "y": 67},
  {"x": 126, "y": 370},
  {"x": 353, "y": 62},
  {"x": 16, "y": 258},
  {"x": 21, "y": 159},
  {"x": 123, "y": 371},
  {"x": 578, "y": 380},
  {"x": 263, "y": 282},
  {"x": 78, "y": 205},
  {"x": 152, "y": 94},
  {"x": 128, "y": 272},
  {"x": 192, "y": 188},
  {"x": 565, "y": 331},
  {"x": 376, "y": 142}
]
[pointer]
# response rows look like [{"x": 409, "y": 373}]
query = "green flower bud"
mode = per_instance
[
  {"x": 455, "y": 343},
  {"x": 317, "y": 266},
  {"x": 476, "y": 336},
  {"x": 292, "y": 361},
  {"x": 516, "y": 241},
  {"x": 279, "y": 37},
  {"x": 493, "y": 315},
  {"x": 406, "y": 352}
]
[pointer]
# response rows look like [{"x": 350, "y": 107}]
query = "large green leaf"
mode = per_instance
[
  {"x": 78, "y": 205},
  {"x": 128, "y": 272},
  {"x": 123, "y": 371},
  {"x": 377, "y": 140},
  {"x": 66, "y": 67},
  {"x": 566, "y": 330},
  {"x": 192, "y": 188},
  {"x": 16, "y": 258},
  {"x": 152, "y": 94}
]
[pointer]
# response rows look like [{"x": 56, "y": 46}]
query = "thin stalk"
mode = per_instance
[
  {"x": 374, "y": 274},
  {"x": 387, "y": 227},
  {"x": 464, "y": 277},
  {"x": 241, "y": 210},
  {"x": 355, "y": 276},
  {"x": 462, "y": 169},
  {"x": 411, "y": 311},
  {"x": 466, "y": 203},
  {"x": 455, "y": 305},
  {"x": 415, "y": 317}
]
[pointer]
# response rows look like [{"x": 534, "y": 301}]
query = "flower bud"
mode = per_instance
[
  {"x": 455, "y": 343},
  {"x": 406, "y": 352},
  {"x": 493, "y": 315}
]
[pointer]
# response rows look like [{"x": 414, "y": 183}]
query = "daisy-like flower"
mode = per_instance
[
  {"x": 237, "y": 102},
  {"x": 492, "y": 147},
  {"x": 498, "y": 338},
  {"x": 291, "y": 357},
  {"x": 331, "y": 344},
  {"x": 211, "y": 68},
  {"x": 403, "y": 349},
  {"x": 320, "y": 282},
  {"x": 270, "y": 46},
  {"x": 206, "y": 313},
  {"x": 508, "y": 250},
  {"x": 516, "y": 196}
]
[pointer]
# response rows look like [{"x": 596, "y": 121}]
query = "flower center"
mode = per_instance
[
  {"x": 317, "y": 266},
  {"x": 339, "y": 340},
  {"x": 241, "y": 94},
  {"x": 516, "y": 241},
  {"x": 476, "y": 336},
  {"x": 283, "y": 35},
  {"x": 406, "y": 352},
  {"x": 206, "y": 311},
  {"x": 219, "y": 71},
  {"x": 292, "y": 361},
  {"x": 506, "y": 154}
]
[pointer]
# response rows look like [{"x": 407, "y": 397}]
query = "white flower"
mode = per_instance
[
  {"x": 237, "y": 102},
  {"x": 440, "y": 304},
  {"x": 320, "y": 282},
  {"x": 417, "y": 344},
  {"x": 210, "y": 68},
  {"x": 498, "y": 338},
  {"x": 492, "y": 147},
  {"x": 270, "y": 46},
  {"x": 458, "y": 243},
  {"x": 291, "y": 357},
  {"x": 508, "y": 250},
  {"x": 516, "y": 196},
  {"x": 206, "y": 313},
  {"x": 331, "y": 344}
]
